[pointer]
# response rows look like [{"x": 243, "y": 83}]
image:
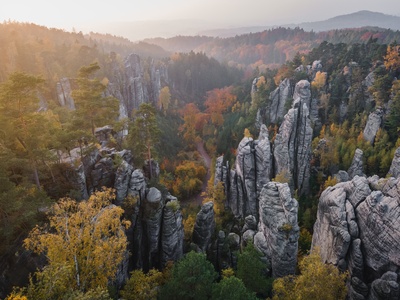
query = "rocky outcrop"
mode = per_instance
[
  {"x": 152, "y": 219},
  {"x": 172, "y": 232},
  {"x": 64, "y": 92},
  {"x": 253, "y": 169},
  {"x": 263, "y": 159},
  {"x": 134, "y": 84},
  {"x": 394, "y": 170},
  {"x": 357, "y": 165},
  {"x": 204, "y": 227},
  {"x": 367, "y": 83},
  {"x": 302, "y": 94},
  {"x": 373, "y": 124},
  {"x": 292, "y": 146},
  {"x": 357, "y": 229},
  {"x": 246, "y": 171},
  {"x": 279, "y": 97},
  {"x": 278, "y": 232},
  {"x": 156, "y": 234}
]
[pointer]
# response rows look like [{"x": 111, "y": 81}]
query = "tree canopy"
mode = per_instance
[{"x": 84, "y": 244}]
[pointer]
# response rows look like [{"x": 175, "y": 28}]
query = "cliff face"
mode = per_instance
[
  {"x": 357, "y": 229},
  {"x": 279, "y": 97},
  {"x": 156, "y": 235},
  {"x": 278, "y": 232},
  {"x": 268, "y": 209},
  {"x": 133, "y": 82}
]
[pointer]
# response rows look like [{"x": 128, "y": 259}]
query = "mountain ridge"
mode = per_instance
[{"x": 359, "y": 19}]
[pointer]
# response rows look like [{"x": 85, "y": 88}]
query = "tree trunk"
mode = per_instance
[
  {"x": 36, "y": 176},
  {"x": 149, "y": 158}
]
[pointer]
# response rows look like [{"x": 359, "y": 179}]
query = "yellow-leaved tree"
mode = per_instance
[
  {"x": 143, "y": 286},
  {"x": 84, "y": 244},
  {"x": 316, "y": 281}
]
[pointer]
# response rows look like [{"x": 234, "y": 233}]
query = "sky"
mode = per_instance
[{"x": 87, "y": 15}]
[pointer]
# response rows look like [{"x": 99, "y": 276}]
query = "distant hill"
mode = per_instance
[
  {"x": 358, "y": 19},
  {"x": 273, "y": 47},
  {"x": 363, "y": 18}
]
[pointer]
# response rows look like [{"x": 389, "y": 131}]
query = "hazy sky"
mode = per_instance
[{"x": 224, "y": 13}]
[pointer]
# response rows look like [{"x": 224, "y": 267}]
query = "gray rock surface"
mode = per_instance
[
  {"x": 394, "y": 170},
  {"x": 250, "y": 222},
  {"x": 302, "y": 93},
  {"x": 80, "y": 182},
  {"x": 246, "y": 171},
  {"x": 64, "y": 92},
  {"x": 279, "y": 97},
  {"x": 385, "y": 288},
  {"x": 357, "y": 165},
  {"x": 373, "y": 124},
  {"x": 152, "y": 169},
  {"x": 152, "y": 217},
  {"x": 122, "y": 180},
  {"x": 128, "y": 84},
  {"x": 278, "y": 232},
  {"x": 357, "y": 229},
  {"x": 172, "y": 235},
  {"x": 218, "y": 169},
  {"x": 331, "y": 233},
  {"x": 204, "y": 226},
  {"x": 292, "y": 147},
  {"x": 263, "y": 161},
  {"x": 137, "y": 185},
  {"x": 103, "y": 173},
  {"x": 367, "y": 83}
]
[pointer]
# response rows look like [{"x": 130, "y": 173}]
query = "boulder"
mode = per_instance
[{"x": 385, "y": 288}]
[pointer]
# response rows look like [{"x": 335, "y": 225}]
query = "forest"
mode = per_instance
[{"x": 143, "y": 171}]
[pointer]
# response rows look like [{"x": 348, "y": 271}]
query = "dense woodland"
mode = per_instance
[
  {"x": 273, "y": 47},
  {"x": 207, "y": 99}
]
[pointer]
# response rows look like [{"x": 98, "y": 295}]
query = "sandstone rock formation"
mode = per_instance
[
  {"x": 172, "y": 233},
  {"x": 204, "y": 227},
  {"x": 394, "y": 170},
  {"x": 292, "y": 146},
  {"x": 128, "y": 83},
  {"x": 357, "y": 165},
  {"x": 278, "y": 232},
  {"x": 156, "y": 235},
  {"x": 279, "y": 97},
  {"x": 357, "y": 229},
  {"x": 373, "y": 124},
  {"x": 64, "y": 91},
  {"x": 132, "y": 83}
]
